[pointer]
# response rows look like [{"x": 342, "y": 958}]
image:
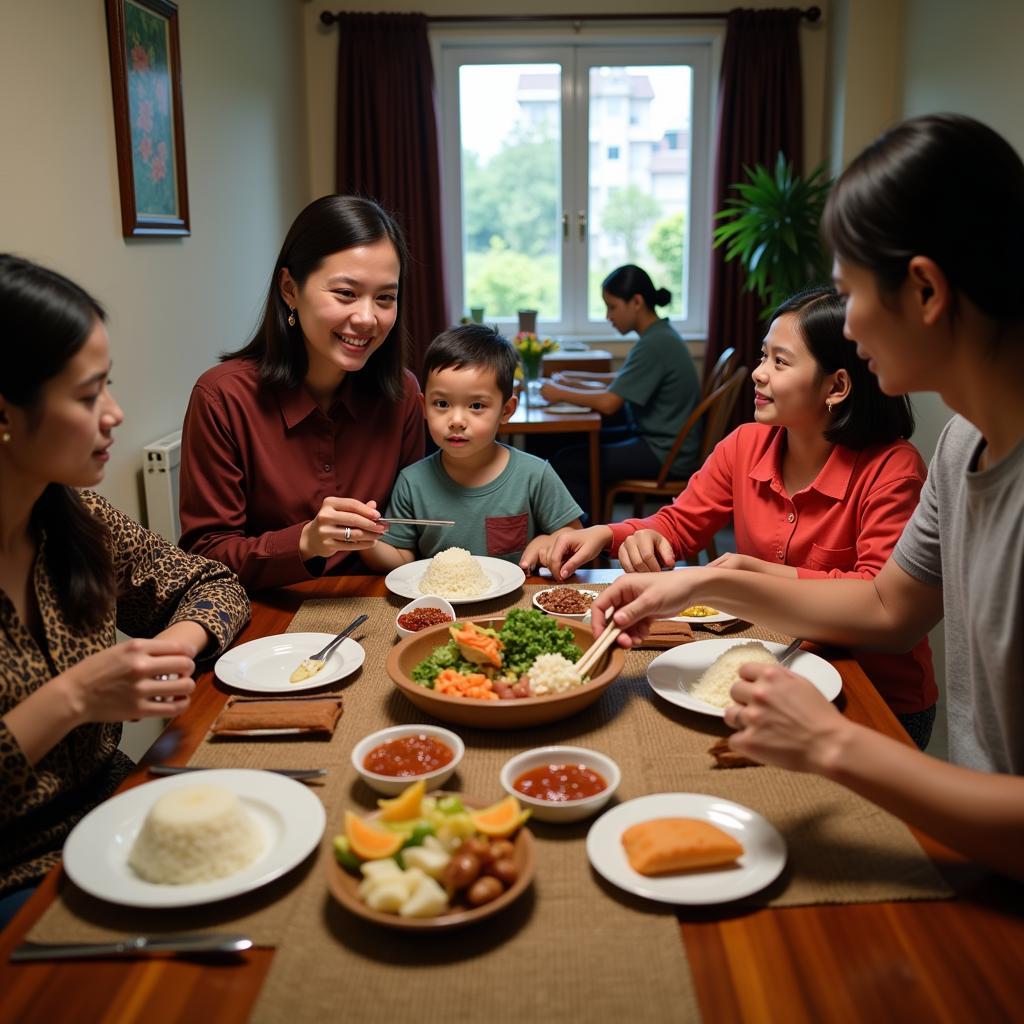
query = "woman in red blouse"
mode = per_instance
[
  {"x": 821, "y": 485},
  {"x": 293, "y": 442}
]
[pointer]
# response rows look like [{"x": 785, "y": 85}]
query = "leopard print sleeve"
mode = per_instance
[{"x": 158, "y": 584}]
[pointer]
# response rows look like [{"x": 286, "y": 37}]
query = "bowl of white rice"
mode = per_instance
[{"x": 454, "y": 572}]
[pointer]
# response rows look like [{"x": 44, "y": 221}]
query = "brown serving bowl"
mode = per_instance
[
  {"x": 345, "y": 887},
  {"x": 498, "y": 714}
]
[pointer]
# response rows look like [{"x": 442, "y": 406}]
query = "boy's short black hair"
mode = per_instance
[{"x": 474, "y": 345}]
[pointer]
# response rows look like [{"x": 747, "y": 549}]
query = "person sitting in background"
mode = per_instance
[
  {"x": 505, "y": 503},
  {"x": 820, "y": 486},
  {"x": 925, "y": 226},
  {"x": 290, "y": 445},
  {"x": 657, "y": 385},
  {"x": 71, "y": 569}
]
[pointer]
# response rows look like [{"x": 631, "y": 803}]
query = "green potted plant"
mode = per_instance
[{"x": 772, "y": 228}]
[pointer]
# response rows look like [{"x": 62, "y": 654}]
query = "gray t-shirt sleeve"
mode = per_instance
[
  {"x": 918, "y": 552},
  {"x": 552, "y": 505},
  {"x": 402, "y": 505}
]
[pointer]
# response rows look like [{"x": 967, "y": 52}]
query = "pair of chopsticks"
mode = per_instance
[
  {"x": 417, "y": 522},
  {"x": 593, "y": 654}
]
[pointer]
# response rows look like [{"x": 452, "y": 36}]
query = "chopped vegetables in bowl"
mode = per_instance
[{"x": 501, "y": 672}]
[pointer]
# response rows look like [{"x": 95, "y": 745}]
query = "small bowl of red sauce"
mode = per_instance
[
  {"x": 423, "y": 612},
  {"x": 391, "y": 759},
  {"x": 561, "y": 783}
]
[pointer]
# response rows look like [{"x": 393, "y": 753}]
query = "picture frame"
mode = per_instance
[{"x": 149, "y": 126}]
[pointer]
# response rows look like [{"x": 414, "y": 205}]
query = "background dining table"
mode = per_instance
[{"x": 957, "y": 959}]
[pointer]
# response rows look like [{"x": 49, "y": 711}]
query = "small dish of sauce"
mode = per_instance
[
  {"x": 420, "y": 618},
  {"x": 560, "y": 783},
  {"x": 408, "y": 756}
]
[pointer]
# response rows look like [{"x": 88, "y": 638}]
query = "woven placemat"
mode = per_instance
[{"x": 560, "y": 950}]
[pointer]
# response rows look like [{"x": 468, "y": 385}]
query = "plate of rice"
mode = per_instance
[
  {"x": 457, "y": 576},
  {"x": 699, "y": 676},
  {"x": 250, "y": 827}
]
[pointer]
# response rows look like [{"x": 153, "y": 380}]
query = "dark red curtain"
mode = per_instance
[
  {"x": 760, "y": 114},
  {"x": 386, "y": 145}
]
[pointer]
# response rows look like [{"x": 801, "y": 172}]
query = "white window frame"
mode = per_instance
[{"x": 593, "y": 45}]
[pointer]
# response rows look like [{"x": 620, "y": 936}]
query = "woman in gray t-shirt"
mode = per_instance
[{"x": 926, "y": 226}]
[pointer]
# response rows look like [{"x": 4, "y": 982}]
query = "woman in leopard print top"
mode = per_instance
[{"x": 72, "y": 568}]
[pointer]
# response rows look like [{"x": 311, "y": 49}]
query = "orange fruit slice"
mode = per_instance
[
  {"x": 405, "y": 806},
  {"x": 369, "y": 842},
  {"x": 501, "y": 819}
]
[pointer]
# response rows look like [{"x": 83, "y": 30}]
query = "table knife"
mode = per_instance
[
  {"x": 137, "y": 945},
  {"x": 291, "y": 773}
]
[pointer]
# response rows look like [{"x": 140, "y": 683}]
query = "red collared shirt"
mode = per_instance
[
  {"x": 257, "y": 462},
  {"x": 843, "y": 525}
]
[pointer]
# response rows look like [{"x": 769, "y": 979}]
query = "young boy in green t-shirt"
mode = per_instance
[{"x": 505, "y": 503}]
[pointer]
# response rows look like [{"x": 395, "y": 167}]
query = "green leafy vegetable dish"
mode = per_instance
[{"x": 525, "y": 634}]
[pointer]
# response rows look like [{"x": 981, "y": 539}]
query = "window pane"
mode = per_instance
[
  {"x": 510, "y": 137},
  {"x": 639, "y": 177}
]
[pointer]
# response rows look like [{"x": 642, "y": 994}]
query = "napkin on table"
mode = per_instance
[{"x": 249, "y": 716}]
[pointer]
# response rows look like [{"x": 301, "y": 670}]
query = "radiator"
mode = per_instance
[{"x": 160, "y": 462}]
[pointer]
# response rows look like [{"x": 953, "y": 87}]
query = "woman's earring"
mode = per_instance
[
  {"x": 6, "y": 436},
  {"x": 828, "y": 405},
  {"x": 291, "y": 318}
]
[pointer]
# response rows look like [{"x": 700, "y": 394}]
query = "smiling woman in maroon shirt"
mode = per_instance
[{"x": 292, "y": 443}]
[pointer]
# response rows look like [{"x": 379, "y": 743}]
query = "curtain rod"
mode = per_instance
[{"x": 811, "y": 14}]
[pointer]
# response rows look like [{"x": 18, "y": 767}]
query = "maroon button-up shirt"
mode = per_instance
[{"x": 257, "y": 462}]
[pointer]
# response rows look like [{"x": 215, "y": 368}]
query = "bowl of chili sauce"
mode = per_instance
[
  {"x": 390, "y": 759},
  {"x": 425, "y": 611},
  {"x": 561, "y": 783}
]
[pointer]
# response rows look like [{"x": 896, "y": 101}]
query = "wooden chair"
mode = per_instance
[
  {"x": 722, "y": 369},
  {"x": 713, "y": 411}
]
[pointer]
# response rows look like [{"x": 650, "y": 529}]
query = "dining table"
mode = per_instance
[{"x": 957, "y": 959}]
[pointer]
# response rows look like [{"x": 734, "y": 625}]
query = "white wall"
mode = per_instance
[{"x": 173, "y": 304}]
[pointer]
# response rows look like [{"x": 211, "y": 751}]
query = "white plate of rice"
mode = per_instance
[
  {"x": 289, "y": 817},
  {"x": 453, "y": 578},
  {"x": 265, "y": 665},
  {"x": 676, "y": 674},
  {"x": 763, "y": 858}
]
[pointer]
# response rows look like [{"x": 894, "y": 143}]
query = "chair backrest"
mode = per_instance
[
  {"x": 719, "y": 372},
  {"x": 715, "y": 409}
]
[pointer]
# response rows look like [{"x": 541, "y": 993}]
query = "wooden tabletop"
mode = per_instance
[{"x": 954, "y": 960}]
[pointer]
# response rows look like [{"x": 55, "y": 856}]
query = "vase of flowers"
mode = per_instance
[{"x": 531, "y": 351}]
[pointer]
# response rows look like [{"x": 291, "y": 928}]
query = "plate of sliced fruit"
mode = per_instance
[{"x": 426, "y": 862}]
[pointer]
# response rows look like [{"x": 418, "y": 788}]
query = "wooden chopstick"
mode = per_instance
[{"x": 593, "y": 653}]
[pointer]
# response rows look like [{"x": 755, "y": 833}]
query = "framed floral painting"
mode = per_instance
[{"x": 145, "y": 73}]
